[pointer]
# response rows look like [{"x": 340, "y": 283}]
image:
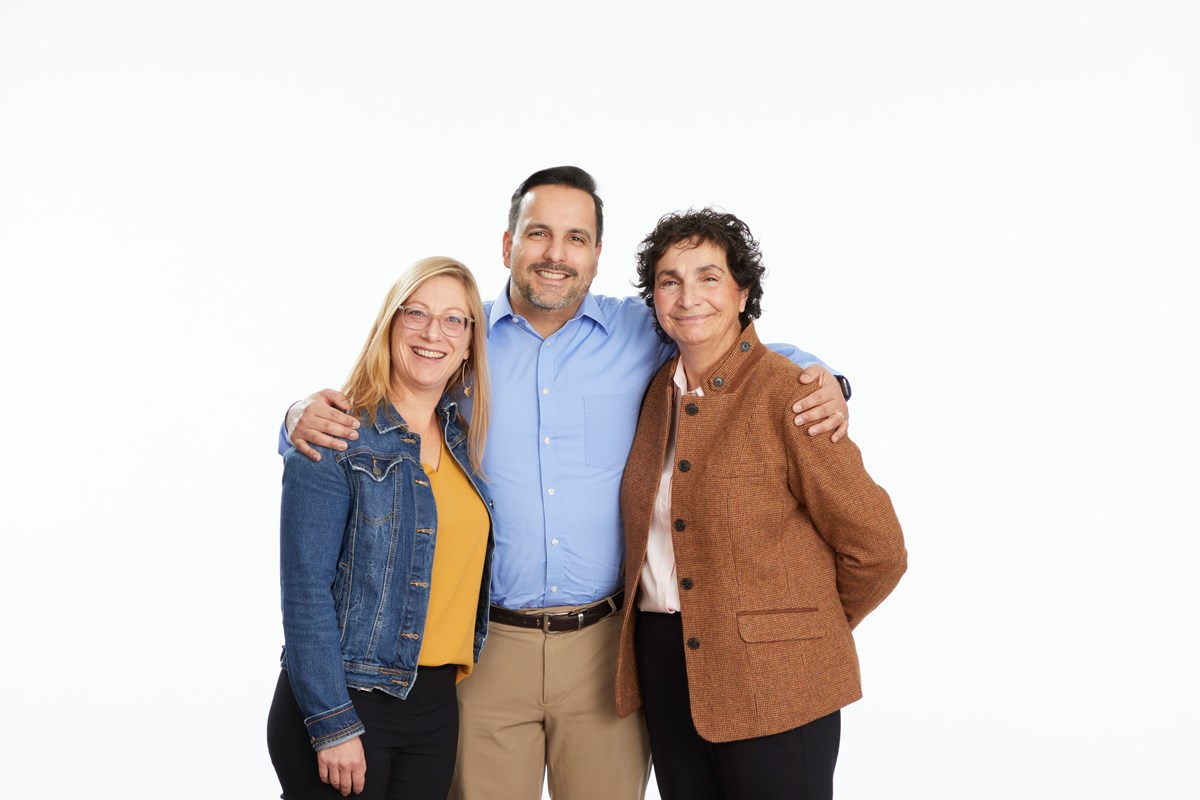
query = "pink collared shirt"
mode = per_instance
[{"x": 659, "y": 588}]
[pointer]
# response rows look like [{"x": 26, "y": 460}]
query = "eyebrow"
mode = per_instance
[{"x": 703, "y": 268}]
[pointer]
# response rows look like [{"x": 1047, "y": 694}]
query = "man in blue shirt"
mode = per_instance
[{"x": 568, "y": 371}]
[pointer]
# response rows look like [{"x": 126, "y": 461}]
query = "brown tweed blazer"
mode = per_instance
[{"x": 783, "y": 543}]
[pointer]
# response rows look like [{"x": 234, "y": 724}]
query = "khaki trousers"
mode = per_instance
[{"x": 543, "y": 704}]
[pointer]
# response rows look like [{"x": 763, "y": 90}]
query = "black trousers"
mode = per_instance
[
  {"x": 410, "y": 745},
  {"x": 794, "y": 764}
]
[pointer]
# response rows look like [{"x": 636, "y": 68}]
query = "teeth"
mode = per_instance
[
  {"x": 428, "y": 353},
  {"x": 552, "y": 276}
]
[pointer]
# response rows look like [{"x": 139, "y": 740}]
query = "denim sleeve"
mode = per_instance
[
  {"x": 315, "y": 508},
  {"x": 284, "y": 444},
  {"x": 799, "y": 357}
]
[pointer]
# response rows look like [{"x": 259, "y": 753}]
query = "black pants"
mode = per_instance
[
  {"x": 409, "y": 745},
  {"x": 794, "y": 764}
]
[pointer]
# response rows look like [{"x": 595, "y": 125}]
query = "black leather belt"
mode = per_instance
[{"x": 563, "y": 621}]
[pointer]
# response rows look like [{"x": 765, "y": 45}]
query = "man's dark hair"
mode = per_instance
[
  {"x": 572, "y": 177},
  {"x": 695, "y": 228}
]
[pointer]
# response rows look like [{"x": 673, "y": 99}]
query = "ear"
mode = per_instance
[
  {"x": 745, "y": 295},
  {"x": 506, "y": 245}
]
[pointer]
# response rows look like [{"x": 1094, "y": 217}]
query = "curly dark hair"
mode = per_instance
[{"x": 710, "y": 226}]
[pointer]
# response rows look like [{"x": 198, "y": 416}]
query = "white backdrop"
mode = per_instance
[{"x": 985, "y": 214}]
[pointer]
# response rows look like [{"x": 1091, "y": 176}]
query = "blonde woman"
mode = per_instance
[{"x": 385, "y": 558}]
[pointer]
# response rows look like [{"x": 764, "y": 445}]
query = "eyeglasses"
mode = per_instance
[{"x": 417, "y": 318}]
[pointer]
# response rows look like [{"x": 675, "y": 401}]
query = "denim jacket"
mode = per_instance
[{"x": 357, "y": 535}]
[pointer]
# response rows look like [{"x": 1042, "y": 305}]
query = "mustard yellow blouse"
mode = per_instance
[{"x": 462, "y": 535}]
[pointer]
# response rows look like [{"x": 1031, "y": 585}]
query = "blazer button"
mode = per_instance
[
  {"x": 694, "y": 643},
  {"x": 686, "y": 583},
  {"x": 718, "y": 382},
  {"x": 685, "y": 465},
  {"x": 680, "y": 524},
  {"x": 692, "y": 409},
  {"x": 744, "y": 347}
]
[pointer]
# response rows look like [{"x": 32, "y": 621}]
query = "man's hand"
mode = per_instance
[
  {"x": 343, "y": 766},
  {"x": 316, "y": 420},
  {"x": 825, "y": 408}
]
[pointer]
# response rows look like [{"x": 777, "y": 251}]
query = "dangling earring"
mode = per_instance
[{"x": 463, "y": 378}]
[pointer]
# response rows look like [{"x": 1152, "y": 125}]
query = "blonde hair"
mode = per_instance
[{"x": 370, "y": 379}]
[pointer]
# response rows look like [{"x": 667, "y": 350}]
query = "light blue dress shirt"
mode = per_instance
[{"x": 564, "y": 412}]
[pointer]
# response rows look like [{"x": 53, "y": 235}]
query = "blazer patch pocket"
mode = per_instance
[{"x": 780, "y": 626}]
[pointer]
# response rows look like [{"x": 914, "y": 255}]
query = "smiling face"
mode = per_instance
[
  {"x": 552, "y": 253},
  {"x": 424, "y": 361},
  {"x": 696, "y": 298}
]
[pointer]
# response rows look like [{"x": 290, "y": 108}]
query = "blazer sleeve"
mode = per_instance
[{"x": 852, "y": 513}]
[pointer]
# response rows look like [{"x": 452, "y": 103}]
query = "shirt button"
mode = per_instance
[
  {"x": 553, "y": 589},
  {"x": 554, "y": 542},
  {"x": 686, "y": 583},
  {"x": 546, "y": 440},
  {"x": 685, "y": 465},
  {"x": 545, "y": 390},
  {"x": 694, "y": 643},
  {"x": 745, "y": 346},
  {"x": 692, "y": 409},
  {"x": 718, "y": 382},
  {"x": 550, "y": 490},
  {"x": 680, "y": 524}
]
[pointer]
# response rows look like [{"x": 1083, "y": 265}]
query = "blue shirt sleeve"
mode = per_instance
[{"x": 799, "y": 357}]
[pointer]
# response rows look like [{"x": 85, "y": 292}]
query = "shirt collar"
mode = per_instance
[
  {"x": 502, "y": 307},
  {"x": 680, "y": 379}
]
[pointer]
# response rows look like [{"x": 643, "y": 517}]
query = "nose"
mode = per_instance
[
  {"x": 688, "y": 296},
  {"x": 429, "y": 334},
  {"x": 555, "y": 251}
]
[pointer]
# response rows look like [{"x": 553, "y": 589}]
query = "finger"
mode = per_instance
[
  {"x": 328, "y": 414},
  {"x": 339, "y": 778},
  {"x": 303, "y": 447},
  {"x": 360, "y": 778},
  {"x": 835, "y": 423},
  {"x": 341, "y": 426},
  {"x": 815, "y": 408},
  {"x": 323, "y": 771},
  {"x": 814, "y": 373},
  {"x": 315, "y": 436},
  {"x": 335, "y": 398}
]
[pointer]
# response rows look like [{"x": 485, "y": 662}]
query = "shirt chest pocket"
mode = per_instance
[
  {"x": 609, "y": 422},
  {"x": 376, "y": 476}
]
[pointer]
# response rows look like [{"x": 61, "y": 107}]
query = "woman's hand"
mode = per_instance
[
  {"x": 825, "y": 407},
  {"x": 343, "y": 766}
]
